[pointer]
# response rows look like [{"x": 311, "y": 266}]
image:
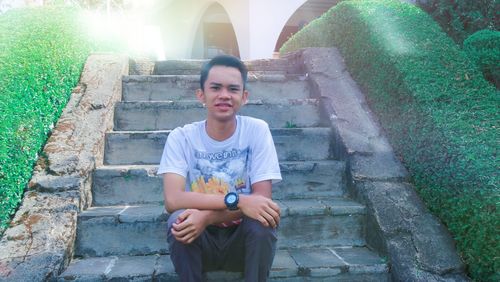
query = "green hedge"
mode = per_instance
[
  {"x": 42, "y": 52},
  {"x": 483, "y": 47},
  {"x": 459, "y": 19},
  {"x": 439, "y": 113}
]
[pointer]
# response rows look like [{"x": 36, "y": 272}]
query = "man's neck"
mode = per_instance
[{"x": 220, "y": 131}]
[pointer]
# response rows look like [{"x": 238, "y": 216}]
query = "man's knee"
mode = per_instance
[
  {"x": 171, "y": 220},
  {"x": 256, "y": 230},
  {"x": 179, "y": 250}
]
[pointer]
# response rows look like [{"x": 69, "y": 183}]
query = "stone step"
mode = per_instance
[
  {"x": 134, "y": 185},
  {"x": 197, "y": 72},
  {"x": 141, "y": 230},
  {"x": 176, "y": 87},
  {"x": 146, "y": 147},
  {"x": 333, "y": 263},
  {"x": 169, "y": 67},
  {"x": 171, "y": 114}
]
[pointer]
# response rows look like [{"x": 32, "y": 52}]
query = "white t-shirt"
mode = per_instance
[{"x": 218, "y": 167}]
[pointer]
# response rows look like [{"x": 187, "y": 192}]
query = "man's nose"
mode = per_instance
[{"x": 224, "y": 94}]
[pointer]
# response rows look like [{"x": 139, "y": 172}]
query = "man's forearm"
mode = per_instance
[
  {"x": 258, "y": 205},
  {"x": 220, "y": 216},
  {"x": 193, "y": 200},
  {"x": 176, "y": 198}
]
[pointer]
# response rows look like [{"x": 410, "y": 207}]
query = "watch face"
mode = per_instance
[{"x": 231, "y": 198}]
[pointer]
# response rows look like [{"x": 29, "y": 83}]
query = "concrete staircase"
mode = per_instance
[{"x": 123, "y": 235}]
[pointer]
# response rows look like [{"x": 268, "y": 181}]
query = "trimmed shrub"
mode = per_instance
[
  {"x": 438, "y": 111},
  {"x": 462, "y": 18},
  {"x": 483, "y": 47},
  {"x": 42, "y": 52}
]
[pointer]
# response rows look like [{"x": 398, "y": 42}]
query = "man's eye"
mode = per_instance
[
  {"x": 234, "y": 89},
  {"x": 215, "y": 87}
]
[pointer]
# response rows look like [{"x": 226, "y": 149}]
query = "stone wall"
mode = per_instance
[{"x": 39, "y": 243}]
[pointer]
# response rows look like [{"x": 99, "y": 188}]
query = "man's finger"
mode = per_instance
[
  {"x": 180, "y": 232},
  {"x": 181, "y": 237},
  {"x": 270, "y": 219},
  {"x": 175, "y": 233},
  {"x": 185, "y": 238},
  {"x": 181, "y": 226},
  {"x": 189, "y": 237},
  {"x": 185, "y": 223},
  {"x": 193, "y": 237},
  {"x": 176, "y": 236},
  {"x": 183, "y": 215},
  {"x": 188, "y": 230},
  {"x": 263, "y": 221},
  {"x": 275, "y": 215},
  {"x": 275, "y": 207}
]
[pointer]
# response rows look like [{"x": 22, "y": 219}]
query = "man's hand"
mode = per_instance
[
  {"x": 260, "y": 208},
  {"x": 189, "y": 225}
]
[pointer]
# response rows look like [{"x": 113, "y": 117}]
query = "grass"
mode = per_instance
[{"x": 42, "y": 53}]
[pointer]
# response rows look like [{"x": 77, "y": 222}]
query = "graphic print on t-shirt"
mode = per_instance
[{"x": 220, "y": 172}]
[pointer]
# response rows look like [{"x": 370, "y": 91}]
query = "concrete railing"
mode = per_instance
[
  {"x": 417, "y": 245},
  {"x": 40, "y": 241}
]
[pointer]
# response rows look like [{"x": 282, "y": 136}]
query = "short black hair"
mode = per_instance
[{"x": 223, "y": 60}]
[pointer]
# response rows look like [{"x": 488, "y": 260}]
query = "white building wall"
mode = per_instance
[
  {"x": 179, "y": 21},
  {"x": 257, "y": 24},
  {"x": 239, "y": 14},
  {"x": 267, "y": 21}
]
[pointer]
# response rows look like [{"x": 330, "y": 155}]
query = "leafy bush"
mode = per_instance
[
  {"x": 462, "y": 18},
  {"x": 439, "y": 113},
  {"x": 42, "y": 52},
  {"x": 483, "y": 47}
]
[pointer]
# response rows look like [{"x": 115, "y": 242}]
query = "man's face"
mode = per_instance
[{"x": 223, "y": 93}]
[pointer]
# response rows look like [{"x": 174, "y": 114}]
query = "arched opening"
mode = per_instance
[
  {"x": 215, "y": 35},
  {"x": 309, "y": 11}
]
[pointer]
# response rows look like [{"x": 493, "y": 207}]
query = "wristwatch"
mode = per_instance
[{"x": 231, "y": 200}]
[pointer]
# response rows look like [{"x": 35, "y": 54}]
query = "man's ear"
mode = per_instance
[
  {"x": 200, "y": 95},
  {"x": 244, "y": 98}
]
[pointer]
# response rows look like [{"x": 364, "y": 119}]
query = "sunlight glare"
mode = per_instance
[
  {"x": 126, "y": 28},
  {"x": 393, "y": 38}
]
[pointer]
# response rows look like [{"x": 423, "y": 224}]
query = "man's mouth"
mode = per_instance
[{"x": 223, "y": 105}]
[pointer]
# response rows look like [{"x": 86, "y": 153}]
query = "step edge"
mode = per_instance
[{"x": 117, "y": 211}]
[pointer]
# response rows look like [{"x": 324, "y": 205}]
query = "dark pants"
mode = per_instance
[{"x": 248, "y": 247}]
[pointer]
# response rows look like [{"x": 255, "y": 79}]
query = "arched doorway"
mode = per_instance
[
  {"x": 215, "y": 35},
  {"x": 309, "y": 11}
]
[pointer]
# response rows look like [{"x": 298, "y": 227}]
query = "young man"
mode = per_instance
[{"x": 217, "y": 179}]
